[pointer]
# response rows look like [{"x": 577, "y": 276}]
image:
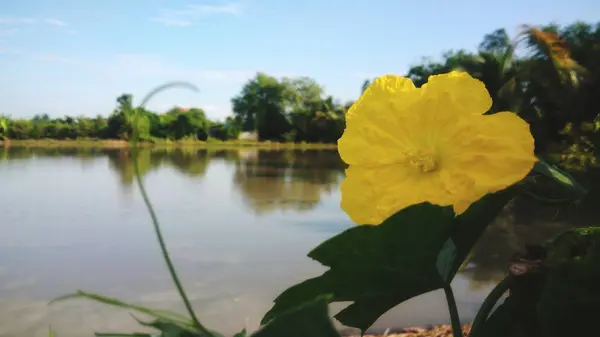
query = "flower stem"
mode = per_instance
[
  {"x": 163, "y": 246},
  {"x": 454, "y": 318},
  {"x": 133, "y": 115},
  {"x": 488, "y": 304}
]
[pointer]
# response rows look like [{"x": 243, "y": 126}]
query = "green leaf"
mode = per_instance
[
  {"x": 51, "y": 332},
  {"x": 116, "y": 334},
  {"x": 310, "y": 319},
  {"x": 376, "y": 267},
  {"x": 482, "y": 320},
  {"x": 467, "y": 229},
  {"x": 242, "y": 333},
  {"x": 501, "y": 322},
  {"x": 570, "y": 302},
  {"x": 172, "y": 329},
  {"x": 159, "y": 314},
  {"x": 561, "y": 298},
  {"x": 560, "y": 176},
  {"x": 445, "y": 260},
  {"x": 169, "y": 329}
]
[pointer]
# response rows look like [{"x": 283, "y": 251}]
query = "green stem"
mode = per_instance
[
  {"x": 134, "y": 113},
  {"x": 548, "y": 200},
  {"x": 488, "y": 305},
  {"x": 163, "y": 246},
  {"x": 454, "y": 317}
]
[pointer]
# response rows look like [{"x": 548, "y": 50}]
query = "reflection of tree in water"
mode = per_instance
[
  {"x": 15, "y": 153},
  {"x": 121, "y": 162},
  {"x": 192, "y": 162},
  {"x": 282, "y": 180},
  {"x": 524, "y": 221}
]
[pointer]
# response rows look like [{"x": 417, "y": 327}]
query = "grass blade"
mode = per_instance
[
  {"x": 159, "y": 314},
  {"x": 116, "y": 334},
  {"x": 155, "y": 223}
]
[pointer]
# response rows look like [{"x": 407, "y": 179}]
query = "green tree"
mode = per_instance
[
  {"x": 261, "y": 107},
  {"x": 19, "y": 129},
  {"x": 365, "y": 85},
  {"x": 3, "y": 128}
]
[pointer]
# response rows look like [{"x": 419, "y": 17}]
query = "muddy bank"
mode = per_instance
[{"x": 444, "y": 330}]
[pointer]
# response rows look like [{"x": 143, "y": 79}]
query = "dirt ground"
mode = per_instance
[{"x": 434, "y": 331}]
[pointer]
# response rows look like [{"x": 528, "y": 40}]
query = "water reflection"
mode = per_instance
[
  {"x": 285, "y": 180},
  {"x": 266, "y": 180},
  {"x": 191, "y": 162},
  {"x": 67, "y": 225}
]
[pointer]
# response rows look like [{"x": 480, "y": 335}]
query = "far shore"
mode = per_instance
[{"x": 120, "y": 144}]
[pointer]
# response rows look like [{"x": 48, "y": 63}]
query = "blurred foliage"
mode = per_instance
[
  {"x": 553, "y": 290},
  {"x": 553, "y": 86}
]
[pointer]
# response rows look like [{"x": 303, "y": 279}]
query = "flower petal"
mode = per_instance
[
  {"x": 461, "y": 93},
  {"x": 494, "y": 151},
  {"x": 373, "y": 134},
  {"x": 372, "y": 194}
]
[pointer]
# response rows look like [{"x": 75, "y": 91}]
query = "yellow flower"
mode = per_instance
[{"x": 407, "y": 145}]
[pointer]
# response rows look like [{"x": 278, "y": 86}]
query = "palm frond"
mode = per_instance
[{"x": 550, "y": 46}]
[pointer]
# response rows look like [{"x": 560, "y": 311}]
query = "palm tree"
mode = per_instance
[{"x": 551, "y": 79}]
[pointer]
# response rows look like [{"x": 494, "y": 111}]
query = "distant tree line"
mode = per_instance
[
  {"x": 555, "y": 87},
  {"x": 176, "y": 124}
]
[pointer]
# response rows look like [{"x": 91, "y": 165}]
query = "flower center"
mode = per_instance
[{"x": 425, "y": 161}]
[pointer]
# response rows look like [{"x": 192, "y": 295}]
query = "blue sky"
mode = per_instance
[{"x": 74, "y": 57}]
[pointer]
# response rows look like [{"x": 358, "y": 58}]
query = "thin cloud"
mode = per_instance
[
  {"x": 145, "y": 66},
  {"x": 10, "y": 20},
  {"x": 20, "y": 21},
  {"x": 56, "y": 22},
  {"x": 192, "y": 13},
  {"x": 148, "y": 66},
  {"x": 232, "y": 8}
]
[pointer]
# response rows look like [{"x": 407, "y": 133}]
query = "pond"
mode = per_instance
[{"x": 238, "y": 224}]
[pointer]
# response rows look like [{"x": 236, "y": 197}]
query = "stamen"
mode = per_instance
[{"x": 425, "y": 161}]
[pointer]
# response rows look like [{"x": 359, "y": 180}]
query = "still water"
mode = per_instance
[{"x": 238, "y": 224}]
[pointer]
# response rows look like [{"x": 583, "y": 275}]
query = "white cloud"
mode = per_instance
[
  {"x": 15, "y": 21},
  {"x": 9, "y": 20},
  {"x": 192, "y": 13},
  {"x": 232, "y": 8},
  {"x": 56, "y": 22},
  {"x": 144, "y": 66}
]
